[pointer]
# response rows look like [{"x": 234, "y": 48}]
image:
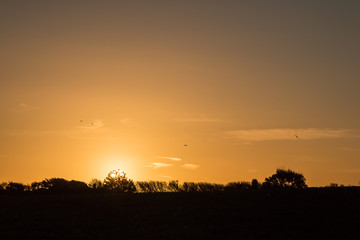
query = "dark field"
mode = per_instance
[{"x": 313, "y": 213}]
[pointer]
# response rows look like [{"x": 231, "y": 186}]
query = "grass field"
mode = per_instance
[{"x": 313, "y": 213}]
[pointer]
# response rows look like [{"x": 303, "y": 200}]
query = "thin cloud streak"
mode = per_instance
[
  {"x": 190, "y": 166},
  {"x": 23, "y": 107},
  {"x": 356, "y": 170},
  {"x": 157, "y": 165},
  {"x": 80, "y": 131},
  {"x": 170, "y": 158},
  {"x": 73, "y": 134},
  {"x": 198, "y": 120},
  {"x": 349, "y": 149},
  {"x": 127, "y": 121},
  {"x": 254, "y": 135},
  {"x": 40, "y": 133},
  {"x": 168, "y": 177}
]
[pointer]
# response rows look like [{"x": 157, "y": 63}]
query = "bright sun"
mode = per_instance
[
  {"x": 108, "y": 166},
  {"x": 117, "y": 173}
]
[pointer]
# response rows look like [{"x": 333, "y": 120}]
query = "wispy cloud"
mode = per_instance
[
  {"x": 81, "y": 131},
  {"x": 127, "y": 121},
  {"x": 168, "y": 177},
  {"x": 349, "y": 149},
  {"x": 170, "y": 158},
  {"x": 190, "y": 166},
  {"x": 39, "y": 133},
  {"x": 198, "y": 120},
  {"x": 23, "y": 107},
  {"x": 252, "y": 135},
  {"x": 158, "y": 165},
  {"x": 71, "y": 133},
  {"x": 355, "y": 170}
]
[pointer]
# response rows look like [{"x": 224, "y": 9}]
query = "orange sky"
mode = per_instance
[{"x": 90, "y": 86}]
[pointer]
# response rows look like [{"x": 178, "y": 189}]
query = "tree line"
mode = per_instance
[{"x": 118, "y": 182}]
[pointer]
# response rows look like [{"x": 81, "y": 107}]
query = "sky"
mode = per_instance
[{"x": 204, "y": 91}]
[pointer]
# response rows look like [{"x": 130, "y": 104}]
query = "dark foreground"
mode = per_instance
[{"x": 315, "y": 213}]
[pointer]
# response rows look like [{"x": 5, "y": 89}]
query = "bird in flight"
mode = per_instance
[{"x": 297, "y": 137}]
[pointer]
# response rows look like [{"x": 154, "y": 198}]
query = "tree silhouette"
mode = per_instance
[
  {"x": 117, "y": 181},
  {"x": 286, "y": 178}
]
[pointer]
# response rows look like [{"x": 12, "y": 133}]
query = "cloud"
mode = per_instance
[
  {"x": 71, "y": 133},
  {"x": 349, "y": 149},
  {"x": 38, "y": 133},
  {"x": 23, "y": 107},
  {"x": 168, "y": 177},
  {"x": 190, "y": 166},
  {"x": 356, "y": 170},
  {"x": 95, "y": 124},
  {"x": 86, "y": 130},
  {"x": 198, "y": 120},
  {"x": 127, "y": 121},
  {"x": 171, "y": 158},
  {"x": 158, "y": 165},
  {"x": 253, "y": 135}
]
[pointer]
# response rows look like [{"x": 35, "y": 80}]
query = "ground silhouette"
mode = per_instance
[{"x": 60, "y": 209}]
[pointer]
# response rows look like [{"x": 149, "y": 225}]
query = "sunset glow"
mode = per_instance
[{"x": 203, "y": 91}]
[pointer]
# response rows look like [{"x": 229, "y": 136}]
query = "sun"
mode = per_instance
[
  {"x": 117, "y": 173},
  {"x": 116, "y": 163}
]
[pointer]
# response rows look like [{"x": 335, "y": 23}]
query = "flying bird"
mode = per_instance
[{"x": 297, "y": 137}]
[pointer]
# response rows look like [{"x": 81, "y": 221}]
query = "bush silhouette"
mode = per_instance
[
  {"x": 146, "y": 187},
  {"x": 173, "y": 186},
  {"x": 36, "y": 186},
  {"x": 59, "y": 185},
  {"x": 209, "y": 187},
  {"x": 95, "y": 184},
  {"x": 255, "y": 185},
  {"x": 55, "y": 184},
  {"x": 3, "y": 186},
  {"x": 15, "y": 187},
  {"x": 189, "y": 187},
  {"x": 151, "y": 186},
  {"x": 77, "y": 186},
  {"x": 238, "y": 186}
]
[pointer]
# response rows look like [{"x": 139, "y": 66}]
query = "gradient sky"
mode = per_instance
[{"x": 249, "y": 86}]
